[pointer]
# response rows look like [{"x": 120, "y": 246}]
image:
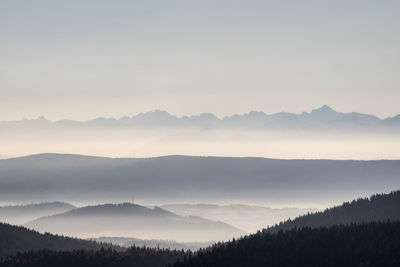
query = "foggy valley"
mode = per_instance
[{"x": 199, "y": 133}]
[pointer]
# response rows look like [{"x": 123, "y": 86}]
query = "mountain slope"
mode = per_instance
[
  {"x": 201, "y": 179},
  {"x": 322, "y": 118},
  {"x": 372, "y": 244},
  {"x": 15, "y": 239},
  {"x": 130, "y": 220},
  {"x": 20, "y": 214},
  {"x": 380, "y": 207},
  {"x": 358, "y": 233}
]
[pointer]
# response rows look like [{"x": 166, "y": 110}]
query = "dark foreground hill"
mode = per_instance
[
  {"x": 372, "y": 244},
  {"x": 15, "y": 239},
  {"x": 379, "y": 207},
  {"x": 132, "y": 257}
]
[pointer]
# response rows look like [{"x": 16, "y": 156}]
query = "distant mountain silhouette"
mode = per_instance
[
  {"x": 20, "y": 214},
  {"x": 15, "y": 239},
  {"x": 74, "y": 178},
  {"x": 131, "y": 220},
  {"x": 380, "y": 207},
  {"x": 323, "y": 118}
]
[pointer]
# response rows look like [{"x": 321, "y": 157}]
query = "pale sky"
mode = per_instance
[{"x": 83, "y": 59}]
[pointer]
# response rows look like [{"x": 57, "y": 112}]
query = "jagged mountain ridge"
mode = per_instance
[{"x": 320, "y": 118}]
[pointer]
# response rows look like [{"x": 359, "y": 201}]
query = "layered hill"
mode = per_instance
[
  {"x": 247, "y": 217},
  {"x": 364, "y": 232},
  {"x": 130, "y": 220},
  {"x": 15, "y": 239},
  {"x": 74, "y": 178},
  {"x": 20, "y": 214},
  {"x": 321, "y": 133}
]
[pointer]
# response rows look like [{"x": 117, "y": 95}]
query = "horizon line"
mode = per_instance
[{"x": 326, "y": 107}]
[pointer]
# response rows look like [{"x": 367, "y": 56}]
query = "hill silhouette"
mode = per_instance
[
  {"x": 131, "y": 220},
  {"x": 75, "y": 178},
  {"x": 371, "y": 244},
  {"x": 379, "y": 207},
  {"x": 20, "y": 214},
  {"x": 15, "y": 239}
]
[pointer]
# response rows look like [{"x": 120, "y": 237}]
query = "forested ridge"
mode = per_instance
[
  {"x": 132, "y": 257},
  {"x": 379, "y": 207},
  {"x": 370, "y": 244},
  {"x": 364, "y": 232},
  {"x": 15, "y": 239}
]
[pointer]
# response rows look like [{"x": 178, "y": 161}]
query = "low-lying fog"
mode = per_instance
[
  {"x": 177, "y": 225},
  {"x": 151, "y": 143}
]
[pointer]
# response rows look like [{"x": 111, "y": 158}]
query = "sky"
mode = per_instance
[{"x": 84, "y": 59}]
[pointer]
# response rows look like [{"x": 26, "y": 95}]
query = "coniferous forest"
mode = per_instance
[
  {"x": 15, "y": 239},
  {"x": 137, "y": 133},
  {"x": 134, "y": 256},
  {"x": 379, "y": 207},
  {"x": 372, "y": 244},
  {"x": 365, "y": 232},
  {"x": 369, "y": 244}
]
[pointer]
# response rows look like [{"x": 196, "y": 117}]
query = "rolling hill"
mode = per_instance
[
  {"x": 20, "y": 214},
  {"x": 247, "y": 217},
  {"x": 131, "y": 220},
  {"x": 364, "y": 232},
  {"x": 74, "y": 178}
]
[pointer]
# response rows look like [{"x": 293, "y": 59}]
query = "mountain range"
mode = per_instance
[{"x": 323, "y": 118}]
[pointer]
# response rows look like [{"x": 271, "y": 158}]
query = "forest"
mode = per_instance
[
  {"x": 134, "y": 256},
  {"x": 367, "y": 244},
  {"x": 15, "y": 239},
  {"x": 371, "y": 244},
  {"x": 364, "y": 232},
  {"x": 379, "y": 207}
]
